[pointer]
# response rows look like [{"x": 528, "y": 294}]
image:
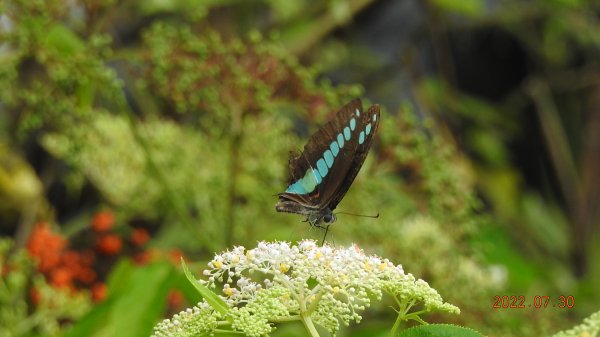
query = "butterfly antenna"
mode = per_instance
[{"x": 360, "y": 215}]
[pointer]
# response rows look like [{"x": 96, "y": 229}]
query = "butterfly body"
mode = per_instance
[
  {"x": 318, "y": 217},
  {"x": 321, "y": 175}
]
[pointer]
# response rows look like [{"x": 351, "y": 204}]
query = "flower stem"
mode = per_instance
[
  {"x": 403, "y": 308},
  {"x": 394, "y": 330},
  {"x": 310, "y": 326}
]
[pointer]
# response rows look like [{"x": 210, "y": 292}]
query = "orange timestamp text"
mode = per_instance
[{"x": 537, "y": 302}]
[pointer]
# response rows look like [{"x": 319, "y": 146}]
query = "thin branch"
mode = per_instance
[{"x": 556, "y": 141}]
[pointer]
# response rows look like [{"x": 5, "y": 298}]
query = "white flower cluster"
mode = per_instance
[
  {"x": 277, "y": 282},
  {"x": 192, "y": 322},
  {"x": 589, "y": 328}
]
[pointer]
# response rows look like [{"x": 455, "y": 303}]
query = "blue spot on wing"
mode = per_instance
[
  {"x": 368, "y": 129},
  {"x": 361, "y": 137},
  {"x": 328, "y": 158},
  {"x": 306, "y": 184},
  {"x": 352, "y": 124},
  {"x": 318, "y": 177},
  {"x": 309, "y": 182},
  {"x": 296, "y": 188},
  {"x": 347, "y": 133},
  {"x": 340, "y": 140},
  {"x": 322, "y": 167},
  {"x": 335, "y": 148}
]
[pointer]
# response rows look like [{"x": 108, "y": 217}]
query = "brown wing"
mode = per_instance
[
  {"x": 358, "y": 156},
  {"x": 332, "y": 157}
]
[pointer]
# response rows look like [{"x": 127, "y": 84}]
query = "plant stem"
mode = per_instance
[
  {"x": 310, "y": 326},
  {"x": 403, "y": 308},
  {"x": 394, "y": 330}
]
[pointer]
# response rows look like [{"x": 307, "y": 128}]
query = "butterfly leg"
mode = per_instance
[{"x": 325, "y": 235}]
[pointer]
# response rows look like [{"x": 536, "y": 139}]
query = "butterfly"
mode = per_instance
[{"x": 321, "y": 175}]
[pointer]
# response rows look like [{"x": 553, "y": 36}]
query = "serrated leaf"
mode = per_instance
[{"x": 439, "y": 330}]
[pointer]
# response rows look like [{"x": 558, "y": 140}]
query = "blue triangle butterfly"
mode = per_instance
[{"x": 321, "y": 175}]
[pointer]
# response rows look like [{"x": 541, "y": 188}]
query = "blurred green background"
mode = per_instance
[{"x": 134, "y": 132}]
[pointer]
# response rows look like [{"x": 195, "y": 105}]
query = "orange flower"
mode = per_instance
[
  {"x": 99, "y": 291},
  {"x": 45, "y": 247},
  {"x": 148, "y": 255},
  {"x": 62, "y": 267},
  {"x": 175, "y": 299},
  {"x": 139, "y": 236},
  {"x": 175, "y": 256},
  {"x": 103, "y": 221},
  {"x": 70, "y": 259},
  {"x": 61, "y": 278},
  {"x": 110, "y": 244},
  {"x": 84, "y": 274},
  {"x": 142, "y": 258},
  {"x": 80, "y": 265}
]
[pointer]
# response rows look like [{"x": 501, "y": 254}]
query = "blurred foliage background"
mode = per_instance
[{"x": 135, "y": 132}]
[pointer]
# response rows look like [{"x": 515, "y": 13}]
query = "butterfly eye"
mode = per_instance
[{"x": 328, "y": 218}]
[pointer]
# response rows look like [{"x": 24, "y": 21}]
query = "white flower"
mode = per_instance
[
  {"x": 278, "y": 282},
  {"x": 590, "y": 327}
]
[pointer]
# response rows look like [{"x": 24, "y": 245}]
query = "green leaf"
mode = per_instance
[
  {"x": 439, "y": 330},
  {"x": 215, "y": 301},
  {"x": 136, "y": 300},
  {"x": 63, "y": 41}
]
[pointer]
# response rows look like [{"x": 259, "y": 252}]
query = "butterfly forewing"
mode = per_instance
[
  {"x": 323, "y": 162},
  {"x": 369, "y": 122},
  {"x": 331, "y": 159}
]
